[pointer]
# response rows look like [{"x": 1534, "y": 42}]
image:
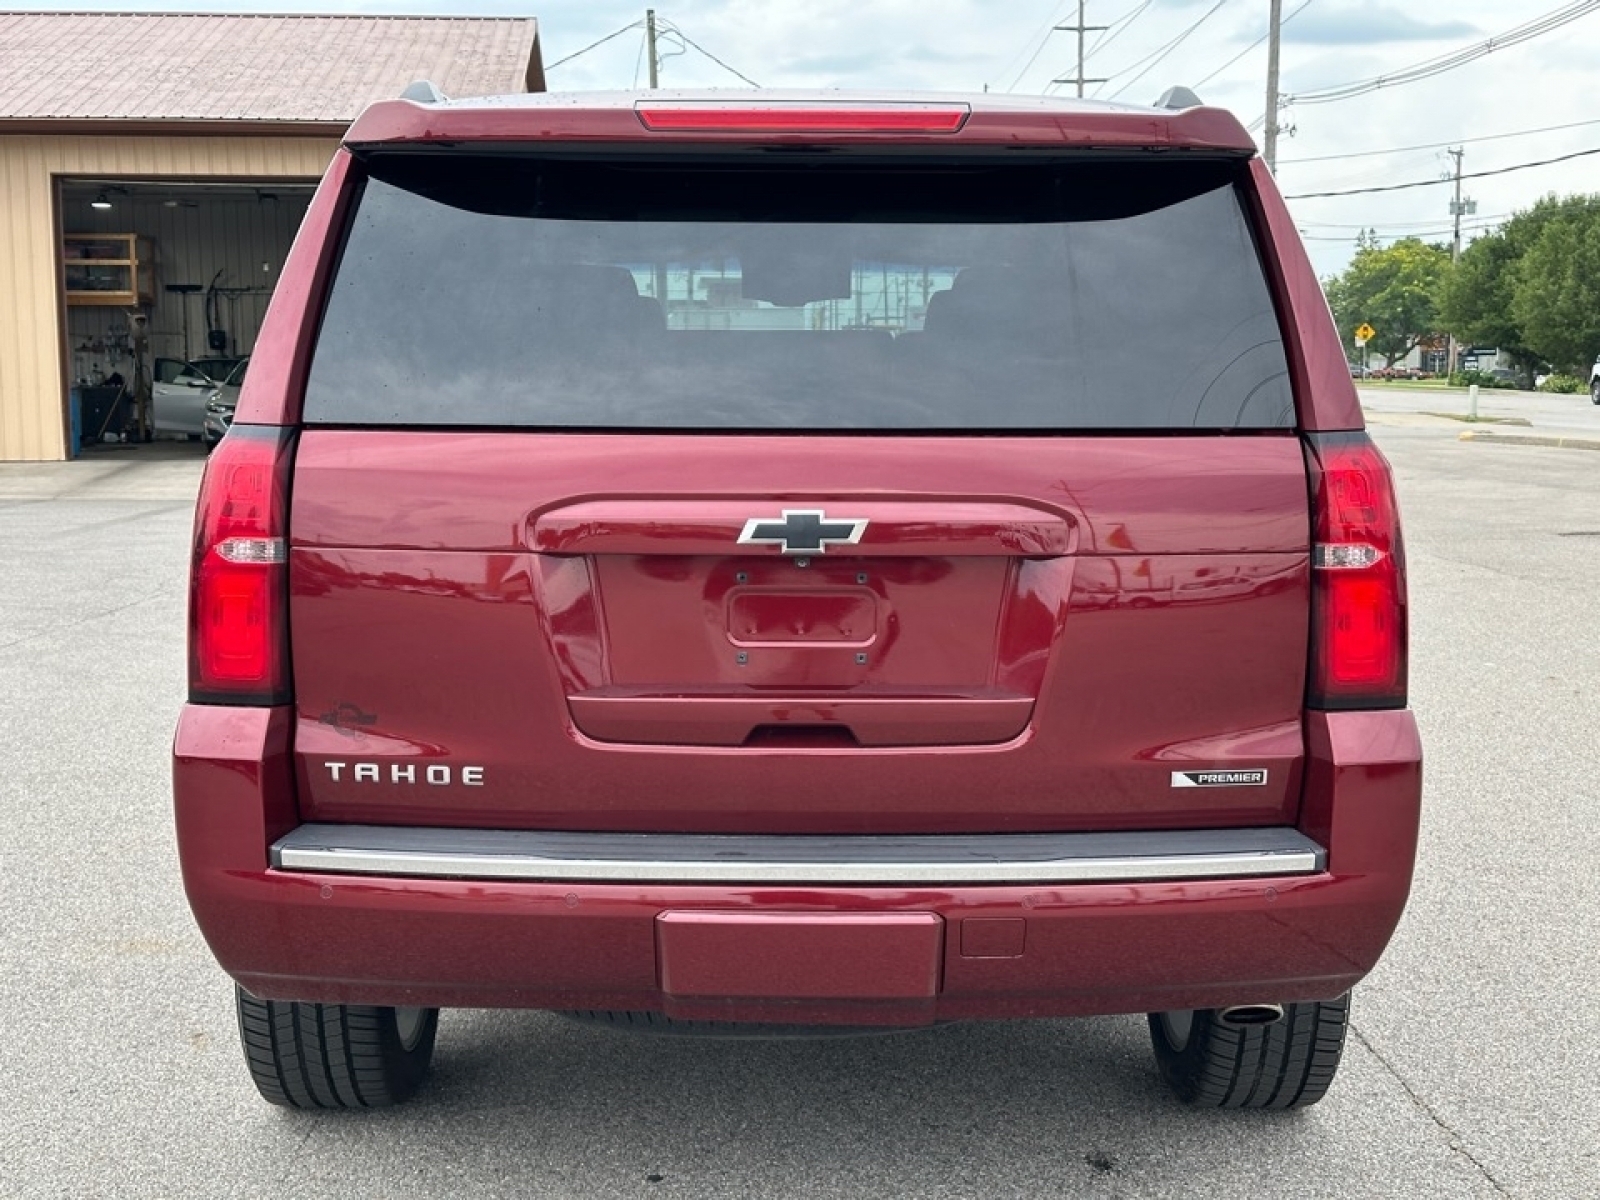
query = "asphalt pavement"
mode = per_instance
[{"x": 1469, "y": 1070}]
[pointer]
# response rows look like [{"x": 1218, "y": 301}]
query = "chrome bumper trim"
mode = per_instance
[{"x": 923, "y": 859}]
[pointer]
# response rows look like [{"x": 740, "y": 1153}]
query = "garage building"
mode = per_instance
[{"x": 158, "y": 166}]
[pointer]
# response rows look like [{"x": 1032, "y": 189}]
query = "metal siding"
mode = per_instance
[
  {"x": 32, "y": 426},
  {"x": 30, "y": 389}
]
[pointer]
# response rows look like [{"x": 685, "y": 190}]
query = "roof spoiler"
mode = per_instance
[
  {"x": 1173, "y": 97},
  {"x": 424, "y": 91}
]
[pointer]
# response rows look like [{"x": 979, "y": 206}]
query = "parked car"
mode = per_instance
[
  {"x": 222, "y": 403},
  {"x": 217, "y": 367},
  {"x": 179, "y": 392},
  {"x": 560, "y": 640},
  {"x": 1594, "y": 382}
]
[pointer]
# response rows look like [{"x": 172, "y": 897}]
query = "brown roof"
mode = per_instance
[{"x": 141, "y": 68}]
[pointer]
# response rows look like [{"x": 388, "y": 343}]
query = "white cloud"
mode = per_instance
[{"x": 1367, "y": 23}]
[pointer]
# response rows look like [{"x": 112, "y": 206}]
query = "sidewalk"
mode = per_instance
[{"x": 1512, "y": 436}]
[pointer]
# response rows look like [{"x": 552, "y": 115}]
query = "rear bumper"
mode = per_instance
[{"x": 905, "y": 952}]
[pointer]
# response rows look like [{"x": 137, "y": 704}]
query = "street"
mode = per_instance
[
  {"x": 1469, "y": 1070},
  {"x": 1546, "y": 413}
]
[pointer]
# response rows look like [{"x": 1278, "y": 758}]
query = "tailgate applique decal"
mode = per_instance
[{"x": 1212, "y": 779}]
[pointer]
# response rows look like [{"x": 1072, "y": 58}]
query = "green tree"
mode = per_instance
[
  {"x": 1478, "y": 301},
  {"x": 1394, "y": 289},
  {"x": 1556, "y": 291}
]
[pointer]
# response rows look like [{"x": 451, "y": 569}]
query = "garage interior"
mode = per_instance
[{"x": 198, "y": 260}]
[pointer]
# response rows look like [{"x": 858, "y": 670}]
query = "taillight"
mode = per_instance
[
  {"x": 769, "y": 117},
  {"x": 1358, "y": 584},
  {"x": 239, "y": 577}
]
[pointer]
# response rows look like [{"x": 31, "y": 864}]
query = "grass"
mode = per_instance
[
  {"x": 1407, "y": 385},
  {"x": 1433, "y": 385},
  {"x": 1469, "y": 419}
]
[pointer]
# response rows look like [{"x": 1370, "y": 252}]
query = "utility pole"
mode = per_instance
[
  {"x": 1458, "y": 208},
  {"x": 650, "y": 48},
  {"x": 1269, "y": 150},
  {"x": 660, "y": 274},
  {"x": 1080, "y": 29}
]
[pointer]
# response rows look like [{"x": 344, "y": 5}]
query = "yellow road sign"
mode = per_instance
[{"x": 1365, "y": 332}]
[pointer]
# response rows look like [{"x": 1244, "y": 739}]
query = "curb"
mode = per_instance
[
  {"x": 1532, "y": 439},
  {"x": 1467, "y": 418}
]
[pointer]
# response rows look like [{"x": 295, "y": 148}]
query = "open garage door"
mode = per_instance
[{"x": 165, "y": 285}]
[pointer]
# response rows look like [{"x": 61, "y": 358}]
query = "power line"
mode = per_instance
[
  {"x": 638, "y": 62},
  {"x": 1537, "y": 27},
  {"x": 1402, "y": 229},
  {"x": 1252, "y": 46},
  {"x": 1044, "y": 39},
  {"x": 1488, "y": 137},
  {"x": 1152, "y": 54},
  {"x": 1419, "y": 234},
  {"x": 1113, "y": 32},
  {"x": 1158, "y": 54},
  {"x": 1156, "y": 58},
  {"x": 593, "y": 45},
  {"x": 1401, "y": 225},
  {"x": 1416, "y": 183},
  {"x": 1397, "y": 234},
  {"x": 731, "y": 70}
]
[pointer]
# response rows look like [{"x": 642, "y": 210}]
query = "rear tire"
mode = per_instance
[
  {"x": 335, "y": 1055},
  {"x": 1287, "y": 1064},
  {"x": 1594, "y": 391}
]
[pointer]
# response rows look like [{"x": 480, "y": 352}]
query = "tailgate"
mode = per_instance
[{"x": 731, "y": 634}]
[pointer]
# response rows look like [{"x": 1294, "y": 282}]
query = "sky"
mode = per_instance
[{"x": 966, "y": 45}]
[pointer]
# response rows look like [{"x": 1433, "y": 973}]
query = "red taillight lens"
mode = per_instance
[
  {"x": 1358, "y": 594},
  {"x": 799, "y": 118},
  {"x": 238, "y": 598}
]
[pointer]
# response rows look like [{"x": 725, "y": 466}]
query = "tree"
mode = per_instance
[
  {"x": 1394, "y": 289},
  {"x": 1478, "y": 301},
  {"x": 1556, "y": 296}
]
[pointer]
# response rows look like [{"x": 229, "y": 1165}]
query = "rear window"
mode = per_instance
[{"x": 761, "y": 295}]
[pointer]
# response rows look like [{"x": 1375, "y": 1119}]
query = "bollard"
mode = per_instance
[{"x": 1472, "y": 395}]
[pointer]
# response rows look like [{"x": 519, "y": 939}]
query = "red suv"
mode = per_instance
[{"x": 790, "y": 561}]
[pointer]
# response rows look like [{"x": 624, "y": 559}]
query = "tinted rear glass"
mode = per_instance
[{"x": 753, "y": 295}]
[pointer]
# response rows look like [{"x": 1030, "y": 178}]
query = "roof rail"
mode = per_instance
[
  {"x": 1176, "y": 97},
  {"x": 423, "y": 91}
]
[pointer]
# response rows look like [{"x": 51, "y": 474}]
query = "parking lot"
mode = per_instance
[{"x": 1470, "y": 1065}]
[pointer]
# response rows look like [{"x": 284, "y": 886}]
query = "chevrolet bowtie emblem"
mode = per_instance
[{"x": 803, "y": 531}]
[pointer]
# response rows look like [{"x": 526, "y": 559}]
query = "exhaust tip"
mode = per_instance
[{"x": 1239, "y": 1015}]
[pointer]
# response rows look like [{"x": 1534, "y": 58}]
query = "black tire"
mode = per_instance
[
  {"x": 1594, "y": 390},
  {"x": 335, "y": 1055},
  {"x": 1287, "y": 1064}
]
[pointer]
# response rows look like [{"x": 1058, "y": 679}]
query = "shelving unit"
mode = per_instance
[{"x": 109, "y": 268}]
